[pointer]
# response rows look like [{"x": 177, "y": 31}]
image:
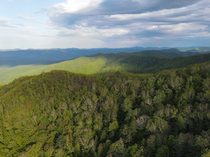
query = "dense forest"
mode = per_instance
[{"x": 63, "y": 114}]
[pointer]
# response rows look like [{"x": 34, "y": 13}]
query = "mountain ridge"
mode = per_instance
[
  {"x": 108, "y": 63},
  {"x": 38, "y": 56}
]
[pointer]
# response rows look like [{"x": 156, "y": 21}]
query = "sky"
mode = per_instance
[{"x": 45, "y": 24}]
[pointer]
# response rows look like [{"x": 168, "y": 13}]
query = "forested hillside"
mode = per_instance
[
  {"x": 141, "y": 62},
  {"x": 115, "y": 115}
]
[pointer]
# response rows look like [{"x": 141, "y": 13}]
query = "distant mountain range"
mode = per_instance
[
  {"x": 11, "y": 58},
  {"x": 148, "y": 61}
]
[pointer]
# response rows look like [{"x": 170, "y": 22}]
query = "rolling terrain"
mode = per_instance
[
  {"x": 11, "y": 58},
  {"x": 149, "y": 61}
]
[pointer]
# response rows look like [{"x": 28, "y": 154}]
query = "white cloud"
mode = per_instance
[
  {"x": 183, "y": 28},
  {"x": 39, "y": 37},
  {"x": 6, "y": 23},
  {"x": 155, "y": 27},
  {"x": 31, "y": 19},
  {"x": 72, "y": 6},
  {"x": 198, "y": 12},
  {"x": 77, "y": 30}
]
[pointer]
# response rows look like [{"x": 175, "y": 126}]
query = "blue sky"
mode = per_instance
[{"x": 103, "y": 23}]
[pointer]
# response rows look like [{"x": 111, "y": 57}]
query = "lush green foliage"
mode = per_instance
[
  {"x": 65, "y": 114},
  {"x": 109, "y": 63}
]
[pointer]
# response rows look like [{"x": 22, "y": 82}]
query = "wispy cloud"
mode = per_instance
[
  {"x": 31, "y": 19},
  {"x": 92, "y": 32},
  {"x": 6, "y": 23}
]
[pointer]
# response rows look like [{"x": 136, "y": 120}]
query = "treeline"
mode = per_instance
[
  {"x": 60, "y": 114},
  {"x": 148, "y": 64}
]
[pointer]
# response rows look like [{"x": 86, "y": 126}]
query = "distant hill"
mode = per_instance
[
  {"x": 189, "y": 52},
  {"x": 7, "y": 62},
  {"x": 69, "y": 53},
  {"x": 11, "y": 58},
  {"x": 199, "y": 50},
  {"x": 109, "y": 63},
  {"x": 161, "y": 53}
]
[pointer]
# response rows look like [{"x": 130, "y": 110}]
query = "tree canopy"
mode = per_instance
[{"x": 60, "y": 113}]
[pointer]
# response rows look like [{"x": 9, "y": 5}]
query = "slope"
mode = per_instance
[
  {"x": 120, "y": 115},
  {"x": 11, "y": 58},
  {"x": 106, "y": 63}
]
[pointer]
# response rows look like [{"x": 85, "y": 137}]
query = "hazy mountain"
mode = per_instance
[
  {"x": 199, "y": 50},
  {"x": 43, "y": 56},
  {"x": 16, "y": 60},
  {"x": 109, "y": 63},
  {"x": 58, "y": 54}
]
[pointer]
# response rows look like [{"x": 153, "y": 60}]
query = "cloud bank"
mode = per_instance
[
  {"x": 107, "y": 23},
  {"x": 136, "y": 21}
]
